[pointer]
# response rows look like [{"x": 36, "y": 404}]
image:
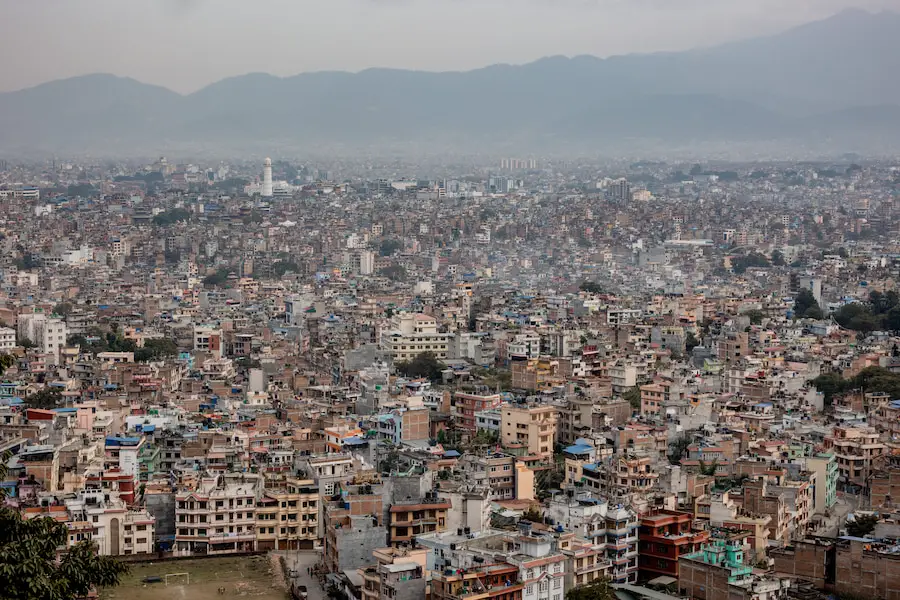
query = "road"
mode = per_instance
[{"x": 300, "y": 561}]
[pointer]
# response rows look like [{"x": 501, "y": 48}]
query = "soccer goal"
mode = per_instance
[{"x": 185, "y": 581}]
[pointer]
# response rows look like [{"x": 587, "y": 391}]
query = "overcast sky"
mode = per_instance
[{"x": 186, "y": 44}]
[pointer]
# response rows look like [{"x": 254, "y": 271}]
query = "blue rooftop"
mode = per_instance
[
  {"x": 578, "y": 449},
  {"x": 451, "y": 454}
]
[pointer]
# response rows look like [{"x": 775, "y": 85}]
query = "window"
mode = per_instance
[
  {"x": 529, "y": 590},
  {"x": 557, "y": 583}
]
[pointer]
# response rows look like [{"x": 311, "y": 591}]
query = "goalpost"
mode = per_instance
[{"x": 186, "y": 575}]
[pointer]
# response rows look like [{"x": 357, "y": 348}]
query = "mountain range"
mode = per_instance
[{"x": 830, "y": 84}]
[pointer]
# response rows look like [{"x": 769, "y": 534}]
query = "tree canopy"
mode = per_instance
[
  {"x": 423, "y": 365},
  {"x": 870, "y": 379},
  {"x": 805, "y": 306},
  {"x": 882, "y": 311},
  {"x": 592, "y": 287},
  {"x": 862, "y": 525},
  {"x": 599, "y": 589},
  {"x": 389, "y": 246},
  {"x": 36, "y": 565},
  {"x": 171, "y": 216},
  {"x": 754, "y": 259}
]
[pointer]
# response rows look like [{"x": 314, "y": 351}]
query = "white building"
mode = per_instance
[
  {"x": 48, "y": 333},
  {"x": 408, "y": 335},
  {"x": 7, "y": 339}
]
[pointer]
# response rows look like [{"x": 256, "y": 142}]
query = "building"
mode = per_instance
[
  {"x": 395, "y": 565},
  {"x": 532, "y": 426},
  {"x": 858, "y": 451},
  {"x": 464, "y": 405},
  {"x": 267, "y": 179},
  {"x": 218, "y": 515},
  {"x": 287, "y": 516},
  {"x": 498, "y": 581},
  {"x": 353, "y": 527},
  {"x": 7, "y": 339},
  {"x": 664, "y": 537},
  {"x": 412, "y": 518},
  {"x": 825, "y": 467},
  {"x": 718, "y": 572},
  {"x": 409, "y": 335},
  {"x": 48, "y": 333}
]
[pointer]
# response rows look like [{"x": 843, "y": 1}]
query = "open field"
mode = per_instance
[{"x": 257, "y": 577}]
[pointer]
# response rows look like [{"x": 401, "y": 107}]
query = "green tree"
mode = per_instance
[
  {"x": 599, "y": 589},
  {"x": 805, "y": 306},
  {"x": 62, "y": 309},
  {"x": 778, "y": 259},
  {"x": 389, "y": 246},
  {"x": 633, "y": 396},
  {"x": 6, "y": 361},
  {"x": 592, "y": 287},
  {"x": 755, "y": 315},
  {"x": 690, "y": 342},
  {"x": 678, "y": 448},
  {"x": 423, "y": 365},
  {"x": 26, "y": 343},
  {"x": 47, "y": 398},
  {"x": 533, "y": 514},
  {"x": 156, "y": 349},
  {"x": 36, "y": 565},
  {"x": 862, "y": 525}
]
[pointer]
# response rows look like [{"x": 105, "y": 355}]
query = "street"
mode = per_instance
[{"x": 299, "y": 562}]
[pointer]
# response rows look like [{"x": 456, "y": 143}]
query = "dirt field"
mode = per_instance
[{"x": 251, "y": 577}]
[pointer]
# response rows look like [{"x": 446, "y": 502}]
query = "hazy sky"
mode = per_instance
[{"x": 186, "y": 44}]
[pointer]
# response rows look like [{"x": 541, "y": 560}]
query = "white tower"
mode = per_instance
[{"x": 267, "y": 178}]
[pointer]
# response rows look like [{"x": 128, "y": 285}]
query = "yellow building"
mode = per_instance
[
  {"x": 533, "y": 426},
  {"x": 287, "y": 518}
]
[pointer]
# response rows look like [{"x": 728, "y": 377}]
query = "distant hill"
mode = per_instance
[{"x": 831, "y": 83}]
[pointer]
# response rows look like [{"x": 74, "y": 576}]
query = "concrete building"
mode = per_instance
[
  {"x": 353, "y": 527},
  {"x": 532, "y": 426},
  {"x": 411, "y": 518},
  {"x": 218, "y": 515},
  {"x": 489, "y": 582},
  {"x": 464, "y": 405},
  {"x": 825, "y": 467},
  {"x": 47, "y": 332},
  {"x": 857, "y": 450},
  {"x": 7, "y": 339},
  {"x": 663, "y": 537},
  {"x": 287, "y": 516},
  {"x": 409, "y": 335}
]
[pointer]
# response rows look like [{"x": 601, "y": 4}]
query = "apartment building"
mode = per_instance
[
  {"x": 395, "y": 565},
  {"x": 489, "y": 582},
  {"x": 532, "y": 426},
  {"x": 464, "y": 405},
  {"x": 7, "y": 339},
  {"x": 287, "y": 515},
  {"x": 663, "y": 537},
  {"x": 47, "y": 332},
  {"x": 408, "y": 335},
  {"x": 353, "y": 527},
  {"x": 218, "y": 515},
  {"x": 413, "y": 517},
  {"x": 824, "y": 466},
  {"x": 858, "y": 450},
  {"x": 503, "y": 475}
]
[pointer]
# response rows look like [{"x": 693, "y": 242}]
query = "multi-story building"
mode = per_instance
[
  {"x": 825, "y": 467},
  {"x": 858, "y": 451},
  {"x": 718, "y": 572},
  {"x": 7, "y": 339},
  {"x": 409, "y": 335},
  {"x": 405, "y": 565},
  {"x": 464, "y": 405},
  {"x": 503, "y": 475},
  {"x": 498, "y": 581},
  {"x": 287, "y": 516},
  {"x": 353, "y": 527},
  {"x": 217, "y": 515},
  {"x": 47, "y": 332},
  {"x": 663, "y": 538},
  {"x": 532, "y": 426},
  {"x": 412, "y": 518}
]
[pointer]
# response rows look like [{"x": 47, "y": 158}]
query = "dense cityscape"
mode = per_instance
[{"x": 515, "y": 379}]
